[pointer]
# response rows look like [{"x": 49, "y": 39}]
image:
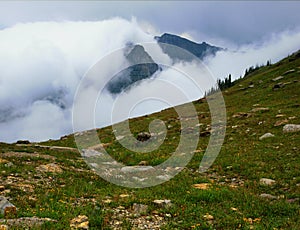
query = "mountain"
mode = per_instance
[
  {"x": 136, "y": 72},
  {"x": 199, "y": 50},
  {"x": 253, "y": 184},
  {"x": 169, "y": 44}
]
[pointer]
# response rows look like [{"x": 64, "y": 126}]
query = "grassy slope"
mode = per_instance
[{"x": 234, "y": 196}]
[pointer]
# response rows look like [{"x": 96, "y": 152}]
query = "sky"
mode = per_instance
[
  {"x": 238, "y": 22},
  {"x": 48, "y": 48}
]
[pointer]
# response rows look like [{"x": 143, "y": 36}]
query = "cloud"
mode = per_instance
[{"x": 42, "y": 64}]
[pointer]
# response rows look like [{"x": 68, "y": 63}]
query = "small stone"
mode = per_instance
[
  {"x": 282, "y": 122},
  {"x": 278, "y": 86},
  {"x": 107, "y": 201},
  {"x": 143, "y": 136},
  {"x": 53, "y": 168},
  {"x": 266, "y": 181},
  {"x": 268, "y": 196},
  {"x": 124, "y": 195},
  {"x": 254, "y": 110},
  {"x": 143, "y": 163},
  {"x": 241, "y": 115},
  {"x": 266, "y": 135},
  {"x": 140, "y": 208},
  {"x": 277, "y": 78},
  {"x": 208, "y": 217},
  {"x": 3, "y": 227},
  {"x": 80, "y": 222},
  {"x": 2, "y": 188},
  {"x": 202, "y": 186},
  {"x": 7, "y": 208},
  {"x": 163, "y": 203},
  {"x": 291, "y": 128},
  {"x": 293, "y": 200}
]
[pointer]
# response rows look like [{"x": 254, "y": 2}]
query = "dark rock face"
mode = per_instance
[
  {"x": 144, "y": 136},
  {"x": 143, "y": 67},
  {"x": 199, "y": 50}
]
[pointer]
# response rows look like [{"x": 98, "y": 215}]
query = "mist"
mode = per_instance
[{"x": 42, "y": 64}]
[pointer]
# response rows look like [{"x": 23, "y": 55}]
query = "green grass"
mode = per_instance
[{"x": 234, "y": 196}]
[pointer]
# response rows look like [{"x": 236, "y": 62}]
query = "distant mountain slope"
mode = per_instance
[{"x": 199, "y": 50}]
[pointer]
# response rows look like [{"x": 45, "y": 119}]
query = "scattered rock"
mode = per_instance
[
  {"x": 282, "y": 122},
  {"x": 289, "y": 71},
  {"x": 140, "y": 208},
  {"x": 3, "y": 227},
  {"x": 278, "y": 86},
  {"x": 202, "y": 186},
  {"x": 266, "y": 181},
  {"x": 52, "y": 167},
  {"x": 291, "y": 128},
  {"x": 277, "y": 78},
  {"x": 163, "y": 203},
  {"x": 23, "y": 142},
  {"x": 143, "y": 163},
  {"x": 260, "y": 109},
  {"x": 208, "y": 217},
  {"x": 118, "y": 138},
  {"x": 26, "y": 222},
  {"x": 241, "y": 115},
  {"x": 80, "y": 222},
  {"x": 123, "y": 195},
  {"x": 292, "y": 200},
  {"x": 143, "y": 136},
  {"x": 7, "y": 208},
  {"x": 127, "y": 169},
  {"x": 266, "y": 135},
  {"x": 205, "y": 133},
  {"x": 268, "y": 196}
]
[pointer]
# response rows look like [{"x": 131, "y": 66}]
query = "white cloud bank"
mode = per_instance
[{"x": 42, "y": 63}]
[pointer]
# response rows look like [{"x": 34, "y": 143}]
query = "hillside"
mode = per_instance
[{"x": 51, "y": 180}]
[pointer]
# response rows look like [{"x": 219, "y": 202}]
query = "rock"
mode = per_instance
[
  {"x": 277, "y": 78},
  {"x": 266, "y": 181},
  {"x": 266, "y": 135},
  {"x": 143, "y": 163},
  {"x": 2, "y": 188},
  {"x": 3, "y": 227},
  {"x": 268, "y": 196},
  {"x": 52, "y": 167},
  {"x": 26, "y": 222},
  {"x": 127, "y": 169},
  {"x": 278, "y": 86},
  {"x": 241, "y": 115},
  {"x": 80, "y": 222},
  {"x": 143, "y": 136},
  {"x": 163, "y": 203},
  {"x": 260, "y": 110},
  {"x": 118, "y": 138},
  {"x": 123, "y": 195},
  {"x": 7, "y": 208},
  {"x": 205, "y": 133},
  {"x": 140, "y": 208},
  {"x": 282, "y": 122},
  {"x": 291, "y": 128},
  {"x": 202, "y": 186},
  {"x": 208, "y": 217},
  {"x": 9, "y": 164},
  {"x": 23, "y": 142},
  {"x": 289, "y": 71},
  {"x": 292, "y": 200}
]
